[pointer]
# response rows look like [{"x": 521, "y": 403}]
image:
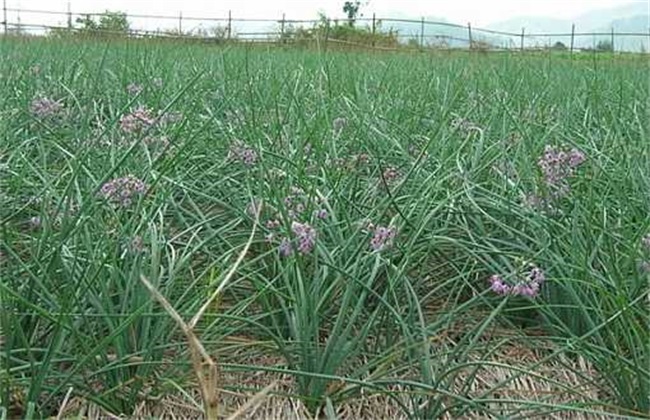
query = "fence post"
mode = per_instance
[
  {"x": 229, "y": 23},
  {"x": 469, "y": 31},
  {"x": 593, "y": 38},
  {"x": 422, "y": 33},
  {"x": 374, "y": 28},
  {"x": 180, "y": 23},
  {"x": 129, "y": 33},
  {"x": 4, "y": 15},
  {"x": 573, "y": 36},
  {"x": 69, "y": 16},
  {"x": 523, "y": 33},
  {"x": 282, "y": 28},
  {"x": 613, "y": 49},
  {"x": 327, "y": 32}
]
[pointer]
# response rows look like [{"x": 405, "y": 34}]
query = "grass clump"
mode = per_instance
[{"x": 427, "y": 234}]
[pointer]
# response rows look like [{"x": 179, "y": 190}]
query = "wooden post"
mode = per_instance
[
  {"x": 180, "y": 23},
  {"x": 469, "y": 31},
  {"x": 422, "y": 33},
  {"x": 374, "y": 28},
  {"x": 282, "y": 28},
  {"x": 229, "y": 23},
  {"x": 4, "y": 15},
  {"x": 593, "y": 43},
  {"x": 523, "y": 34},
  {"x": 573, "y": 36},
  {"x": 613, "y": 49},
  {"x": 69, "y": 16},
  {"x": 327, "y": 32}
]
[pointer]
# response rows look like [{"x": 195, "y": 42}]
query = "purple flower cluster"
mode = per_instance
[
  {"x": 646, "y": 242},
  {"x": 43, "y": 107},
  {"x": 321, "y": 214},
  {"x": 136, "y": 245},
  {"x": 307, "y": 150},
  {"x": 253, "y": 207},
  {"x": 415, "y": 149},
  {"x": 462, "y": 124},
  {"x": 122, "y": 191},
  {"x": 296, "y": 202},
  {"x": 156, "y": 142},
  {"x": 134, "y": 89},
  {"x": 351, "y": 163},
  {"x": 285, "y": 248},
  {"x": 338, "y": 125},
  {"x": 337, "y": 162},
  {"x": 243, "y": 153},
  {"x": 644, "y": 265},
  {"x": 170, "y": 118},
  {"x": 137, "y": 120},
  {"x": 557, "y": 166},
  {"x": 133, "y": 246},
  {"x": 538, "y": 202},
  {"x": 304, "y": 234},
  {"x": 390, "y": 175},
  {"x": 382, "y": 237},
  {"x": 361, "y": 159},
  {"x": 273, "y": 224},
  {"x": 528, "y": 286},
  {"x": 35, "y": 222}
]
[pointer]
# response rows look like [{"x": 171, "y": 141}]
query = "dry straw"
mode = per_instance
[{"x": 205, "y": 366}]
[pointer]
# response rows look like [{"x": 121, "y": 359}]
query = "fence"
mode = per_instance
[{"x": 420, "y": 33}]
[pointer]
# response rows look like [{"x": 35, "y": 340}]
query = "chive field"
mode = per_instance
[{"x": 412, "y": 235}]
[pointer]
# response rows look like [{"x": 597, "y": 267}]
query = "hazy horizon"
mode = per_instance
[{"x": 479, "y": 13}]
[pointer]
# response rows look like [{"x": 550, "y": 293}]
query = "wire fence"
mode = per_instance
[{"x": 418, "y": 33}]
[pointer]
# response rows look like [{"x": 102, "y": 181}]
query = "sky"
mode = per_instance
[{"x": 478, "y": 12}]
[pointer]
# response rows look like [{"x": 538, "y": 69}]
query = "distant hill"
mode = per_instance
[
  {"x": 604, "y": 18},
  {"x": 631, "y": 18},
  {"x": 586, "y": 22},
  {"x": 633, "y": 24},
  {"x": 433, "y": 33},
  {"x": 532, "y": 24},
  {"x": 437, "y": 30}
]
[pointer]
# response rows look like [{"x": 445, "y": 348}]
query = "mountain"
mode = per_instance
[
  {"x": 636, "y": 24},
  {"x": 586, "y": 22},
  {"x": 437, "y": 30},
  {"x": 533, "y": 24},
  {"x": 633, "y": 24},
  {"x": 603, "y": 18},
  {"x": 630, "y": 18}
]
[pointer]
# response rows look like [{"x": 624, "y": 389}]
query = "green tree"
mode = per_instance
[
  {"x": 604, "y": 46},
  {"x": 559, "y": 46},
  {"x": 87, "y": 23},
  {"x": 351, "y": 9},
  {"x": 112, "y": 23}
]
